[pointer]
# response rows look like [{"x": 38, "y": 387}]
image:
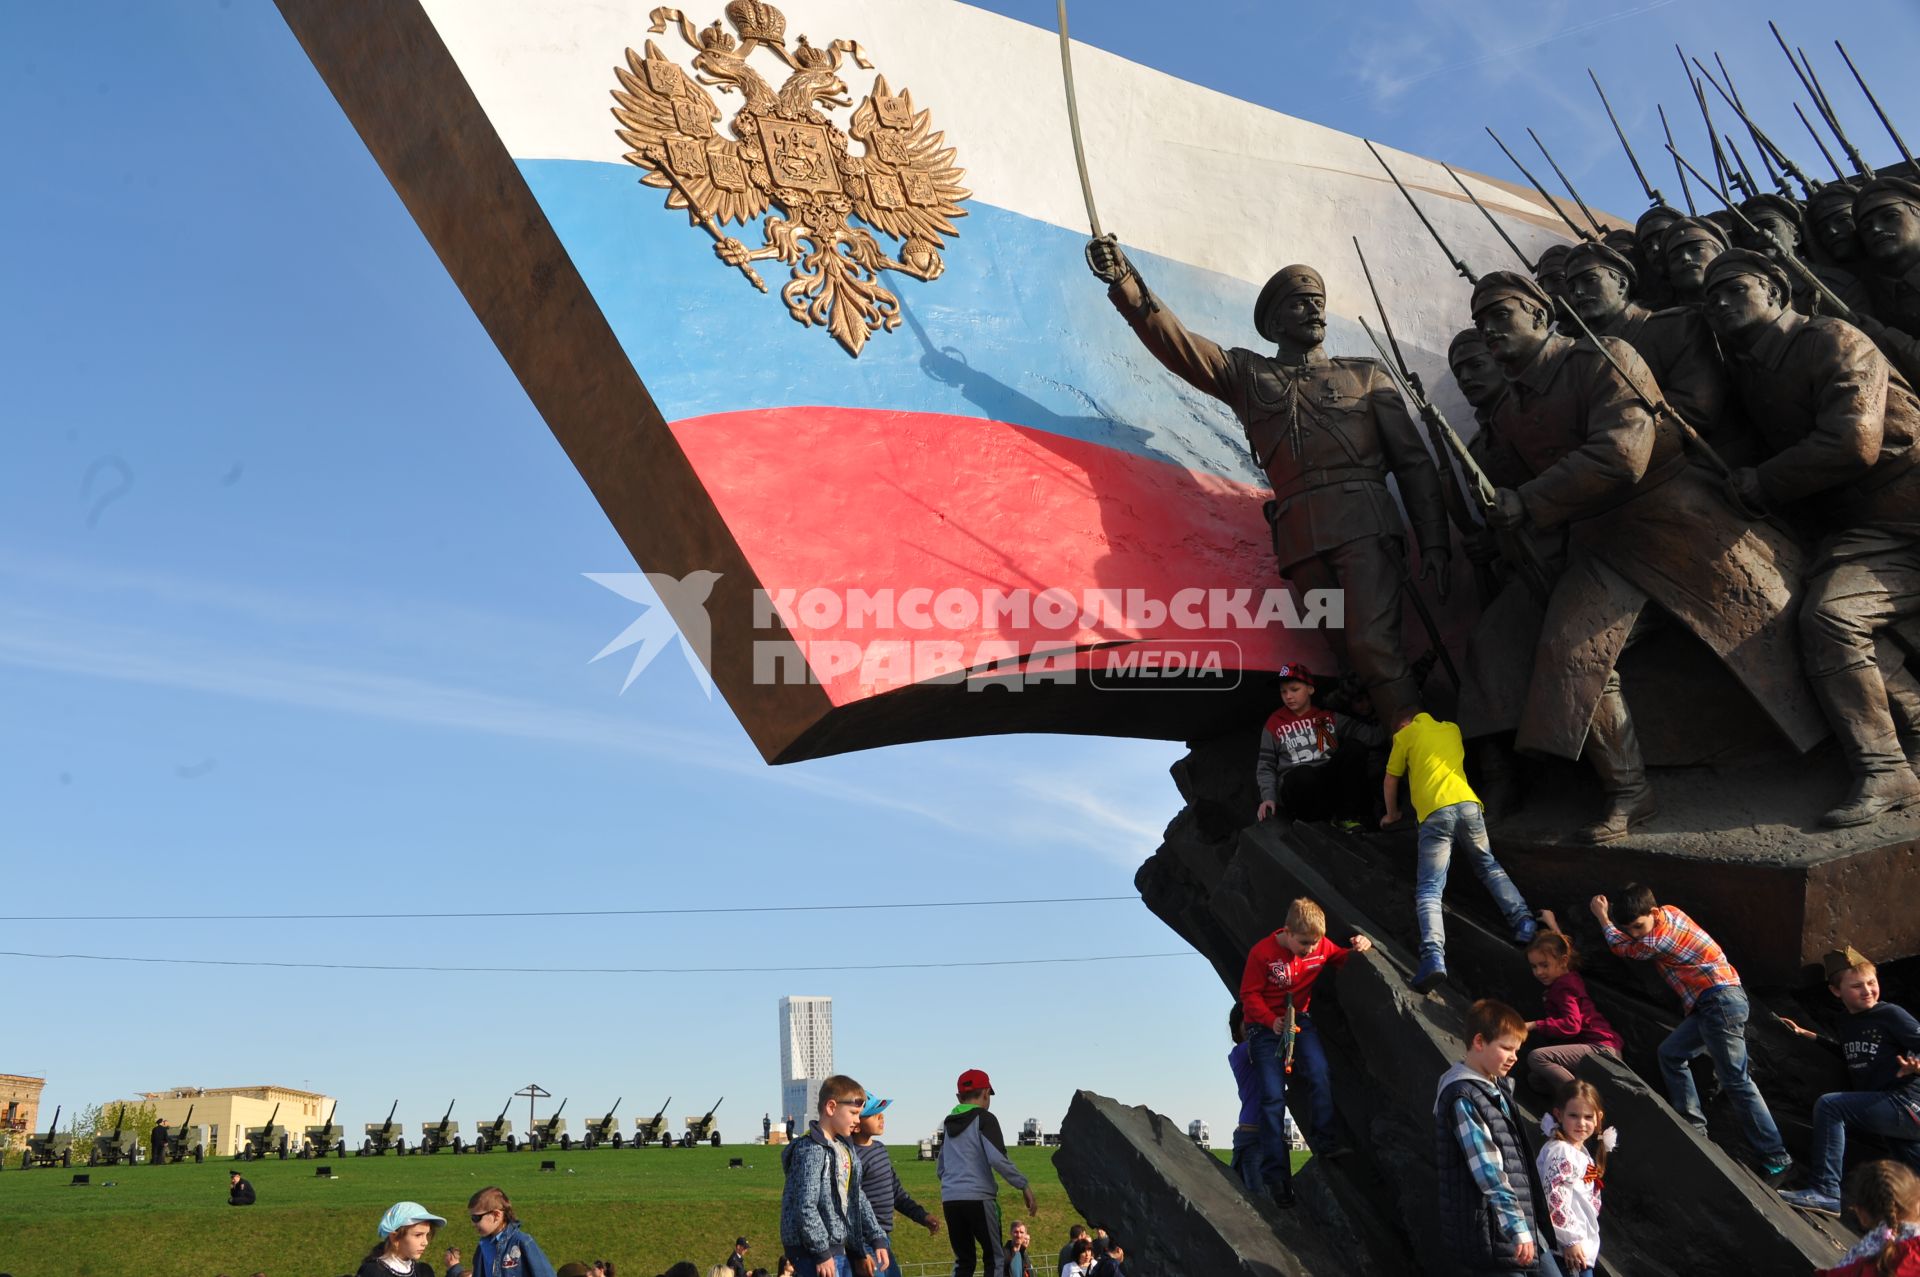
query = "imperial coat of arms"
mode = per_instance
[{"x": 787, "y": 154}]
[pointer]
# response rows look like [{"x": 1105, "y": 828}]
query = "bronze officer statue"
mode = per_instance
[{"x": 1327, "y": 432}]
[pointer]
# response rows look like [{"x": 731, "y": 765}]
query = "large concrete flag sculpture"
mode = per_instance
[{"x": 801, "y": 293}]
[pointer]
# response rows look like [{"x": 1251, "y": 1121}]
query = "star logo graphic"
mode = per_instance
[{"x": 661, "y": 598}]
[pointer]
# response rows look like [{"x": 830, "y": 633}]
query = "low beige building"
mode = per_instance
[
  {"x": 227, "y": 1111},
  {"x": 19, "y": 1108}
]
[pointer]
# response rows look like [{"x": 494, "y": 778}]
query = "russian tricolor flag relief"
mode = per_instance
[{"x": 1000, "y": 514}]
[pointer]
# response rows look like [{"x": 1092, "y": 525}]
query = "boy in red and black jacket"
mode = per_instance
[
  {"x": 1313, "y": 761},
  {"x": 1276, "y": 995}
]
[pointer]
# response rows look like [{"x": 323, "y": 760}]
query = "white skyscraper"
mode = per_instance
[{"x": 806, "y": 1055}]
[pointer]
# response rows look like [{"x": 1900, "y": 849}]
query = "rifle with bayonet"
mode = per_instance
[
  {"x": 1811, "y": 83},
  {"x": 1788, "y": 259},
  {"x": 1818, "y": 141},
  {"x": 1654, "y": 197},
  {"x": 1731, "y": 94},
  {"x": 1761, "y": 140},
  {"x": 1874, "y": 102},
  {"x": 1722, "y": 168},
  {"x": 1535, "y": 183},
  {"x": 1686, "y": 192},
  {"x": 1567, "y": 182},
  {"x": 1453, "y": 493}
]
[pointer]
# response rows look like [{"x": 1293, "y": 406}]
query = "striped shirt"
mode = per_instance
[{"x": 1691, "y": 961}]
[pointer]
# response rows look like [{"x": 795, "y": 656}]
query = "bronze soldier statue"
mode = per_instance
[
  {"x": 1837, "y": 428},
  {"x": 1830, "y": 229},
  {"x": 1550, "y": 271},
  {"x": 1887, "y": 216},
  {"x": 1327, "y": 432},
  {"x": 1655, "y": 293},
  {"x": 1643, "y": 527},
  {"x": 1778, "y": 219},
  {"x": 1507, "y": 630},
  {"x": 1686, "y": 247},
  {"x": 1675, "y": 343}
]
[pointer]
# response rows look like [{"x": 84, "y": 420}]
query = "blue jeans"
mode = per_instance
[
  {"x": 1250, "y": 1162},
  {"x": 1717, "y": 1026},
  {"x": 1446, "y": 829},
  {"x": 1545, "y": 1265},
  {"x": 1870, "y": 1113},
  {"x": 1269, "y": 1067},
  {"x": 806, "y": 1266},
  {"x": 857, "y": 1249}
]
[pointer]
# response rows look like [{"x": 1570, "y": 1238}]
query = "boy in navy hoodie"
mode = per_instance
[{"x": 973, "y": 1150}]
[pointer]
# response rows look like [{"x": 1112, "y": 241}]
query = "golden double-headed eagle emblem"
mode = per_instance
[{"x": 786, "y": 153}]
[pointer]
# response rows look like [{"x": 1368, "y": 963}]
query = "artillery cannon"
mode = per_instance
[
  {"x": 382, "y": 1136},
  {"x": 554, "y": 1128},
  {"x": 648, "y": 1130},
  {"x": 701, "y": 1130},
  {"x": 116, "y": 1147},
  {"x": 319, "y": 1141},
  {"x": 48, "y": 1149},
  {"x": 495, "y": 1133},
  {"x": 604, "y": 1131},
  {"x": 184, "y": 1141},
  {"x": 444, "y": 1133},
  {"x": 262, "y": 1140}
]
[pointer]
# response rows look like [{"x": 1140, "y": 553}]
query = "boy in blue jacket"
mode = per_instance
[
  {"x": 504, "y": 1250},
  {"x": 824, "y": 1213}
]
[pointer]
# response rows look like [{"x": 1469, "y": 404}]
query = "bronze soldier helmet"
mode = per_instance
[
  {"x": 1286, "y": 281},
  {"x": 1585, "y": 256},
  {"x": 1744, "y": 261}
]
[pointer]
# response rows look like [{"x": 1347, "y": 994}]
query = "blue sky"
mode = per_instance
[{"x": 293, "y": 619}]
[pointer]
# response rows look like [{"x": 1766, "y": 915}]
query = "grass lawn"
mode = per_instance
[{"x": 641, "y": 1208}]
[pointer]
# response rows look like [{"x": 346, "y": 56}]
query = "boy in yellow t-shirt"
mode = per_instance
[{"x": 1449, "y": 813}]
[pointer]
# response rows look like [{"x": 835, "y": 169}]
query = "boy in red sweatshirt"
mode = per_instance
[{"x": 1276, "y": 994}]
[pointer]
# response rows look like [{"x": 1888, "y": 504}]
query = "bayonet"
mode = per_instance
[
  {"x": 1534, "y": 182},
  {"x": 1654, "y": 196},
  {"x": 1750, "y": 187},
  {"x": 1685, "y": 190},
  {"x": 1810, "y": 81},
  {"x": 1516, "y": 549},
  {"x": 1760, "y": 139},
  {"x": 1818, "y": 141},
  {"x": 1873, "y": 101},
  {"x": 1498, "y": 229},
  {"x": 1790, "y": 261},
  {"x": 1452, "y": 492},
  {"x": 1713, "y": 138},
  {"x": 1566, "y": 182},
  {"x": 1458, "y": 265}
]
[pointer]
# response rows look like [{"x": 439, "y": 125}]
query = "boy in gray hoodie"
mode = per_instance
[{"x": 972, "y": 1150}]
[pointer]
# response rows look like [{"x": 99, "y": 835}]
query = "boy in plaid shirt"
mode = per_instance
[
  {"x": 1696, "y": 968},
  {"x": 1489, "y": 1214}
]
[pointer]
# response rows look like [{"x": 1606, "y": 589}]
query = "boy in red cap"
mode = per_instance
[
  {"x": 1313, "y": 761},
  {"x": 972, "y": 1151}
]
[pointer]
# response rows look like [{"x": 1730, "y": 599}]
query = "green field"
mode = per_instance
[{"x": 641, "y": 1208}]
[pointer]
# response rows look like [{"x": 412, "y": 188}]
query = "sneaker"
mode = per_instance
[
  {"x": 1283, "y": 1197},
  {"x": 1526, "y": 931},
  {"x": 1433, "y": 970},
  {"x": 1347, "y": 826},
  {"x": 1812, "y": 1201},
  {"x": 1776, "y": 1166}
]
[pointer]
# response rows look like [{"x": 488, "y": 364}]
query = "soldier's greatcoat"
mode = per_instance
[
  {"x": 1680, "y": 352},
  {"x": 1643, "y": 525},
  {"x": 1327, "y": 432}
]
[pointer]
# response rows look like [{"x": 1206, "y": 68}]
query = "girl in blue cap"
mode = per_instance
[{"x": 406, "y": 1230}]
